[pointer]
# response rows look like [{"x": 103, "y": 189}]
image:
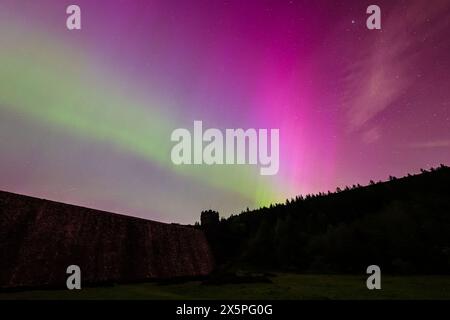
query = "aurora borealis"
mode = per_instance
[{"x": 86, "y": 115}]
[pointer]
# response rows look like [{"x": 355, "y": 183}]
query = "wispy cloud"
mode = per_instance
[
  {"x": 432, "y": 144},
  {"x": 371, "y": 135},
  {"x": 385, "y": 70}
]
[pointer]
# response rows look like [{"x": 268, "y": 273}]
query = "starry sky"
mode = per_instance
[{"x": 86, "y": 115}]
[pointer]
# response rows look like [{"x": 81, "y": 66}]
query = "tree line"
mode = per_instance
[{"x": 402, "y": 225}]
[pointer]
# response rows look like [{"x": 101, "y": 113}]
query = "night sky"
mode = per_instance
[{"x": 86, "y": 115}]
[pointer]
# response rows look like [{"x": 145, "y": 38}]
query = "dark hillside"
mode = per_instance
[{"x": 403, "y": 225}]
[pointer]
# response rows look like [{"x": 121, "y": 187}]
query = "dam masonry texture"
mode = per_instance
[{"x": 39, "y": 239}]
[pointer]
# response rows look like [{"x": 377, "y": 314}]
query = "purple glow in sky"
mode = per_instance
[{"x": 86, "y": 115}]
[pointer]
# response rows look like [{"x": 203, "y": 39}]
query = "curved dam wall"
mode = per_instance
[{"x": 39, "y": 239}]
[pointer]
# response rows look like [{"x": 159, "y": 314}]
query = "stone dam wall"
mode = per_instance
[{"x": 39, "y": 239}]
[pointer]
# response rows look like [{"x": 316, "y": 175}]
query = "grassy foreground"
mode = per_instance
[{"x": 284, "y": 286}]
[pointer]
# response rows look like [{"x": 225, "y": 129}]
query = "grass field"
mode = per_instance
[{"x": 284, "y": 286}]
